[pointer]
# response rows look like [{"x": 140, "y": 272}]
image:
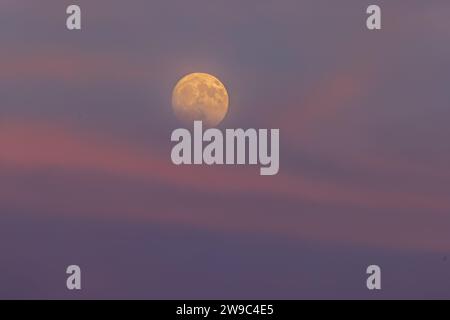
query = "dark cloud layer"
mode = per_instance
[{"x": 123, "y": 260}]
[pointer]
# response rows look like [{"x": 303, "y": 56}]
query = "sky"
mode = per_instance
[{"x": 86, "y": 176}]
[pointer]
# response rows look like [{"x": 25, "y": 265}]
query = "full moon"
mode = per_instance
[{"x": 200, "y": 96}]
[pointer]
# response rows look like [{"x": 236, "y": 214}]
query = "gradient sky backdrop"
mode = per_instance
[{"x": 86, "y": 176}]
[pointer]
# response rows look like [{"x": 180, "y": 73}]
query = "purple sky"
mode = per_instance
[{"x": 86, "y": 176}]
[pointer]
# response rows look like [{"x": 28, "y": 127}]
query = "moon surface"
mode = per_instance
[{"x": 200, "y": 96}]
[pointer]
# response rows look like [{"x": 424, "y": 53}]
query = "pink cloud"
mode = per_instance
[
  {"x": 57, "y": 64},
  {"x": 33, "y": 147}
]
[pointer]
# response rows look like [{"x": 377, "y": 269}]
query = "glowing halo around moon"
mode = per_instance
[{"x": 200, "y": 96}]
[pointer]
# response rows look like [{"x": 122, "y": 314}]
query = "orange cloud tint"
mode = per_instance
[{"x": 326, "y": 100}]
